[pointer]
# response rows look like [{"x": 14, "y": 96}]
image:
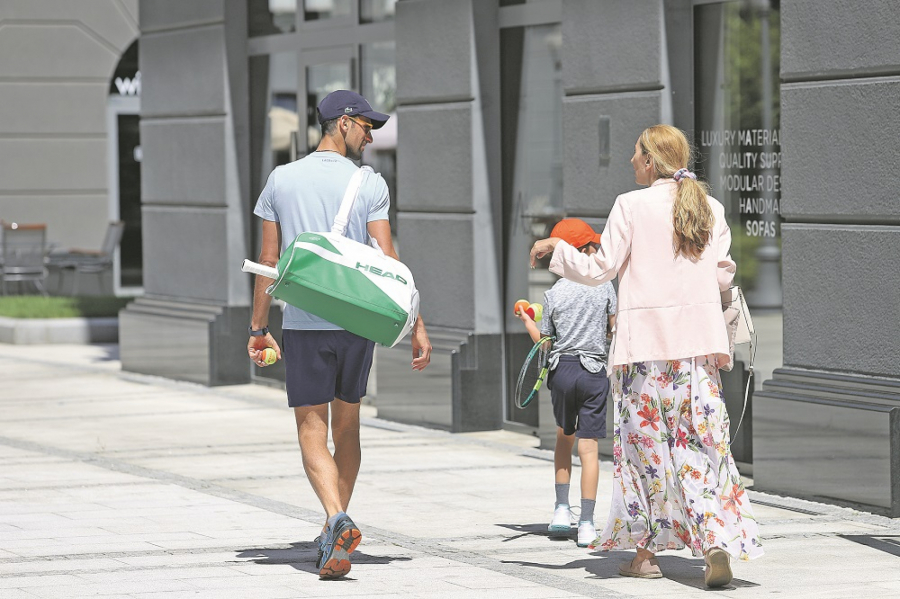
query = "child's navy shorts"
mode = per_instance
[
  {"x": 323, "y": 365},
  {"x": 579, "y": 398}
]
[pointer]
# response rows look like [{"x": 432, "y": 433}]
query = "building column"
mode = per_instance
[
  {"x": 611, "y": 95},
  {"x": 448, "y": 201},
  {"x": 192, "y": 322},
  {"x": 827, "y": 426}
]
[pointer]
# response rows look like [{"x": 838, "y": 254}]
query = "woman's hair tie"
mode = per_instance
[{"x": 682, "y": 173}]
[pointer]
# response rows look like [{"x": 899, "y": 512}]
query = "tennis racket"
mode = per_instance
[{"x": 533, "y": 372}]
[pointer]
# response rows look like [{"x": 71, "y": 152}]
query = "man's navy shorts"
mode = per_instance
[
  {"x": 323, "y": 365},
  {"x": 579, "y": 398}
]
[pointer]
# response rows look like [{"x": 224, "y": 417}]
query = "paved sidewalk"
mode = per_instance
[{"x": 131, "y": 486}]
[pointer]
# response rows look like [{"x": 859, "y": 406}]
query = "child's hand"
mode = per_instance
[{"x": 524, "y": 317}]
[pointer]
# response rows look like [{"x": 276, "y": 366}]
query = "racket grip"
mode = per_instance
[{"x": 259, "y": 269}]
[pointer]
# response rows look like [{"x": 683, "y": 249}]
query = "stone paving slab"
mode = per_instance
[{"x": 120, "y": 485}]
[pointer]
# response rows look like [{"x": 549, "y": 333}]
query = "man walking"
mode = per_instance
[{"x": 326, "y": 365}]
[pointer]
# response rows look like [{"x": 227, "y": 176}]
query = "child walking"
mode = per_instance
[{"x": 577, "y": 315}]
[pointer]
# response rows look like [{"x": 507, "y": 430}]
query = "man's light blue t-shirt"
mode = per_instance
[{"x": 305, "y": 196}]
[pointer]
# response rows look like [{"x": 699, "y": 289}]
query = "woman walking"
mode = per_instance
[{"x": 675, "y": 482}]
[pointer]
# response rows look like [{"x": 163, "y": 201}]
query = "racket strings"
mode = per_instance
[
  {"x": 533, "y": 374},
  {"x": 528, "y": 378}
]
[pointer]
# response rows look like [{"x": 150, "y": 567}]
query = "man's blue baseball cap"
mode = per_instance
[{"x": 345, "y": 102}]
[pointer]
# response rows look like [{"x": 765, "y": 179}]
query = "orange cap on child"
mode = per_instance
[{"x": 575, "y": 232}]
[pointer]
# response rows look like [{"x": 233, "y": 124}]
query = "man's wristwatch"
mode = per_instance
[{"x": 260, "y": 333}]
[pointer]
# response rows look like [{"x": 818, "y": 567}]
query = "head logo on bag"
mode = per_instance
[{"x": 377, "y": 271}]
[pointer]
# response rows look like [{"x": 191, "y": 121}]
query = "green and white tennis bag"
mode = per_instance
[{"x": 350, "y": 284}]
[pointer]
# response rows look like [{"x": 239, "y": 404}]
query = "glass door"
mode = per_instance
[
  {"x": 737, "y": 136},
  {"x": 131, "y": 262},
  {"x": 275, "y": 114},
  {"x": 531, "y": 88},
  {"x": 736, "y": 66}
]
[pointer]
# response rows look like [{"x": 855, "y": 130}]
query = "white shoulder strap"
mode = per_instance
[
  {"x": 343, "y": 215},
  {"x": 751, "y": 335}
]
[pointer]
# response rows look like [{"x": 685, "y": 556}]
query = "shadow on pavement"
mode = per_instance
[
  {"x": 111, "y": 351},
  {"x": 302, "y": 556},
  {"x": 887, "y": 543},
  {"x": 537, "y": 530},
  {"x": 688, "y": 572}
]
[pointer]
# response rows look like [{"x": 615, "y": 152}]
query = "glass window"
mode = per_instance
[
  {"x": 130, "y": 248},
  {"x": 314, "y": 10},
  {"x": 531, "y": 89},
  {"x": 379, "y": 86},
  {"x": 372, "y": 11},
  {"x": 737, "y": 135},
  {"x": 270, "y": 17},
  {"x": 322, "y": 79},
  {"x": 379, "y": 79},
  {"x": 275, "y": 119}
]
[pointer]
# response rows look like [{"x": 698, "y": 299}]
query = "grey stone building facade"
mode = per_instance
[
  {"x": 828, "y": 423},
  {"x": 191, "y": 322},
  {"x": 63, "y": 123},
  {"x": 507, "y": 116}
]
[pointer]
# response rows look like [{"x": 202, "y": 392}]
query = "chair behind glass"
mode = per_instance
[{"x": 24, "y": 251}]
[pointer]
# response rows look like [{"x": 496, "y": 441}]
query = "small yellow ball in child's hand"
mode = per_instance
[{"x": 269, "y": 356}]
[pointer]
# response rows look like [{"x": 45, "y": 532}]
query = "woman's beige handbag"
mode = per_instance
[
  {"x": 740, "y": 330},
  {"x": 738, "y": 322}
]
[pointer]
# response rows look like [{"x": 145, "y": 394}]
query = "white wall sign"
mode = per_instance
[{"x": 129, "y": 86}]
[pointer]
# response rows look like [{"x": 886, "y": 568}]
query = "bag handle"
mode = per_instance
[
  {"x": 745, "y": 312},
  {"x": 350, "y": 194}
]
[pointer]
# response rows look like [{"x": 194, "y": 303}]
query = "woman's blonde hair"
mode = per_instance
[{"x": 691, "y": 214}]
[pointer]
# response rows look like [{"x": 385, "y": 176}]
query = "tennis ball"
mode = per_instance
[
  {"x": 269, "y": 356},
  {"x": 520, "y": 306},
  {"x": 530, "y": 312},
  {"x": 537, "y": 310}
]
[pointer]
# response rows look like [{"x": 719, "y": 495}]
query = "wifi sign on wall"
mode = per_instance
[{"x": 129, "y": 86}]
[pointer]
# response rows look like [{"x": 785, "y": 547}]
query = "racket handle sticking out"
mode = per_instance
[{"x": 259, "y": 269}]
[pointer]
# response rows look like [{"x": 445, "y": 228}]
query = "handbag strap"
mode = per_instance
[
  {"x": 350, "y": 194},
  {"x": 743, "y": 307}
]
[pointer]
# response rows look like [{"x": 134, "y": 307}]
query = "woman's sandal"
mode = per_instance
[
  {"x": 718, "y": 568},
  {"x": 648, "y": 568}
]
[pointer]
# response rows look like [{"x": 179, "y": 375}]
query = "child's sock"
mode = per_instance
[
  {"x": 562, "y": 494},
  {"x": 587, "y": 510}
]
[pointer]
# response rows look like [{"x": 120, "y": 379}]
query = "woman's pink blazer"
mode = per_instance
[{"x": 670, "y": 307}]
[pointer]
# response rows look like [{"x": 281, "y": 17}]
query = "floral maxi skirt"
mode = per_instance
[{"x": 675, "y": 481}]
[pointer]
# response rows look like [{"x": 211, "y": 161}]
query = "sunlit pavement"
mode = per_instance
[{"x": 133, "y": 486}]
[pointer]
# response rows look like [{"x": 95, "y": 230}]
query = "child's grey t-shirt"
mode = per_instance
[
  {"x": 577, "y": 315},
  {"x": 305, "y": 196}
]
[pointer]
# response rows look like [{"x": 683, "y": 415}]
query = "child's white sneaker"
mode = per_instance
[
  {"x": 586, "y": 533},
  {"x": 561, "y": 524}
]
